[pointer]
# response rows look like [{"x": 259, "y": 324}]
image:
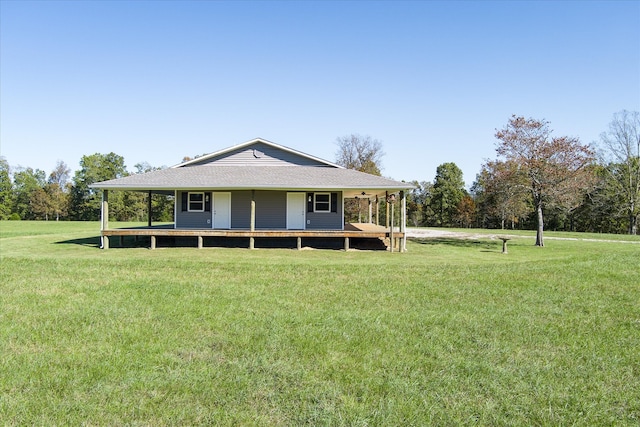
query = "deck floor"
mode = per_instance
[{"x": 352, "y": 233}]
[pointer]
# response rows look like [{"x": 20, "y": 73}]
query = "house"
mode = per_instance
[{"x": 259, "y": 189}]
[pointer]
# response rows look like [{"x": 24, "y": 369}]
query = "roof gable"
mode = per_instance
[{"x": 257, "y": 152}]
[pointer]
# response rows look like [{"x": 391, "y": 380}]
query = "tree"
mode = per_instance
[
  {"x": 554, "y": 166},
  {"x": 361, "y": 153},
  {"x": 466, "y": 211},
  {"x": 26, "y": 182},
  {"x": 60, "y": 175},
  {"x": 417, "y": 199},
  {"x": 621, "y": 151},
  {"x": 6, "y": 190},
  {"x": 448, "y": 191},
  {"x": 85, "y": 205},
  {"x": 503, "y": 190},
  {"x": 57, "y": 189}
]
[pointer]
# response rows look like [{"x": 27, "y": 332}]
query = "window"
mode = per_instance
[
  {"x": 196, "y": 202},
  {"x": 322, "y": 202}
]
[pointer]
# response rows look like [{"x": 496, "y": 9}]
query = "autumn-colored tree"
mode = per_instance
[
  {"x": 555, "y": 167},
  {"x": 466, "y": 211}
]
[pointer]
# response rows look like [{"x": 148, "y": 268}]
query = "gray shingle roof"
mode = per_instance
[{"x": 244, "y": 178}]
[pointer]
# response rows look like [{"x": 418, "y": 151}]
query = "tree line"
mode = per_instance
[
  {"x": 28, "y": 194},
  {"x": 537, "y": 181}
]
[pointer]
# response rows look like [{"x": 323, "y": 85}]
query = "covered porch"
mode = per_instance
[{"x": 354, "y": 235}]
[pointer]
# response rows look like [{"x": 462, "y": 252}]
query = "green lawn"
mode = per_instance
[{"x": 451, "y": 332}]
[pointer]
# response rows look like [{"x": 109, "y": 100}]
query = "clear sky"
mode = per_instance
[{"x": 157, "y": 81}]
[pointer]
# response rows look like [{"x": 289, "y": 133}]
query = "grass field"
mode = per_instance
[{"x": 450, "y": 333}]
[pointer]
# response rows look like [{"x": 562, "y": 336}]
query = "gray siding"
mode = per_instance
[
  {"x": 267, "y": 156},
  {"x": 326, "y": 220},
  {"x": 271, "y": 213},
  {"x": 271, "y": 209},
  {"x": 192, "y": 219},
  {"x": 241, "y": 209},
  {"x": 186, "y": 219}
]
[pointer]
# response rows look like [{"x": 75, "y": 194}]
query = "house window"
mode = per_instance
[
  {"x": 196, "y": 202},
  {"x": 322, "y": 202}
]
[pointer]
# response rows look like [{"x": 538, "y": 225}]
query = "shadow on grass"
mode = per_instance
[
  {"x": 87, "y": 241},
  {"x": 460, "y": 243}
]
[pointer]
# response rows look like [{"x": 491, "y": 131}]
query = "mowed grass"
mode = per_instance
[{"x": 453, "y": 332}]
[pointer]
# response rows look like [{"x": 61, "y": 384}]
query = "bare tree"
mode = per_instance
[
  {"x": 621, "y": 150},
  {"x": 505, "y": 190},
  {"x": 361, "y": 153},
  {"x": 556, "y": 167},
  {"x": 60, "y": 175}
]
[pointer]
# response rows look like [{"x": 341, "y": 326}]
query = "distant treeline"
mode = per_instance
[{"x": 579, "y": 188}]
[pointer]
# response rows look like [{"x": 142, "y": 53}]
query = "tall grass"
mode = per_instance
[{"x": 451, "y": 332}]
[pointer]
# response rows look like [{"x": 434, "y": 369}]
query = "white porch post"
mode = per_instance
[
  {"x": 403, "y": 222},
  {"x": 104, "y": 220},
  {"x": 149, "y": 208},
  {"x": 252, "y": 221}
]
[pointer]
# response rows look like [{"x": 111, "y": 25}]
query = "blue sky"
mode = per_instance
[{"x": 157, "y": 81}]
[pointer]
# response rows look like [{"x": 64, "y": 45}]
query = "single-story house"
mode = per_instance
[{"x": 259, "y": 189}]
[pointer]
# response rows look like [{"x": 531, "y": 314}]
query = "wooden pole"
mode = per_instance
[
  {"x": 403, "y": 222},
  {"x": 105, "y": 217},
  {"x": 252, "y": 221},
  {"x": 386, "y": 218},
  {"x": 370, "y": 212},
  {"x": 391, "y": 240},
  {"x": 377, "y": 210},
  {"x": 149, "y": 209}
]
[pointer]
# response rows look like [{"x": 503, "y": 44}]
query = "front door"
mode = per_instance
[
  {"x": 221, "y": 211},
  {"x": 296, "y": 208}
]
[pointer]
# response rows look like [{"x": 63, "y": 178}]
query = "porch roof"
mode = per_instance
[{"x": 212, "y": 177}]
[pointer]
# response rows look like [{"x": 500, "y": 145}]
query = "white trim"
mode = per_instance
[
  {"x": 255, "y": 141},
  {"x": 175, "y": 209},
  {"x": 315, "y": 203},
  {"x": 189, "y": 201}
]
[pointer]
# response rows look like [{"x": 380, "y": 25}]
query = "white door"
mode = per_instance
[
  {"x": 221, "y": 210},
  {"x": 296, "y": 209}
]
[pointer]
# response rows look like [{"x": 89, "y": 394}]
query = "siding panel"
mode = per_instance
[
  {"x": 327, "y": 220},
  {"x": 266, "y": 156},
  {"x": 241, "y": 209},
  {"x": 271, "y": 209}
]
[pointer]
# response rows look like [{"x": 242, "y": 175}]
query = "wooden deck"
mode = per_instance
[{"x": 351, "y": 231}]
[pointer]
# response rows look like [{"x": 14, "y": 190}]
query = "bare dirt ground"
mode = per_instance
[{"x": 426, "y": 233}]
